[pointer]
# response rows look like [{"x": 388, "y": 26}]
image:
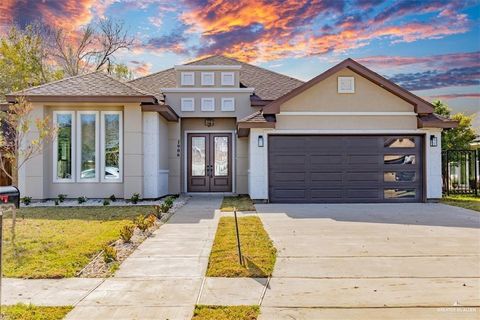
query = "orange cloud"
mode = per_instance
[{"x": 141, "y": 68}]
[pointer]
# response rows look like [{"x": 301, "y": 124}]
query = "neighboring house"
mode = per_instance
[{"x": 221, "y": 125}]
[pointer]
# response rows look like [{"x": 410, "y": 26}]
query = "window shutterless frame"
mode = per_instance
[
  {"x": 73, "y": 169},
  {"x": 103, "y": 145},
  {"x": 79, "y": 146}
]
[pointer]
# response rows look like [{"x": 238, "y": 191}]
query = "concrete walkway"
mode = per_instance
[{"x": 163, "y": 277}]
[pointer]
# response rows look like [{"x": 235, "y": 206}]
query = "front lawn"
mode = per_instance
[
  {"x": 58, "y": 242},
  {"x": 257, "y": 249},
  {"x": 29, "y": 312},
  {"x": 241, "y": 203},
  {"x": 226, "y": 312},
  {"x": 467, "y": 202}
]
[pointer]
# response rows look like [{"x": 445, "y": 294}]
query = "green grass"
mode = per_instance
[
  {"x": 29, "y": 312},
  {"x": 242, "y": 203},
  {"x": 467, "y": 202},
  {"x": 59, "y": 242},
  {"x": 202, "y": 312},
  {"x": 257, "y": 249}
]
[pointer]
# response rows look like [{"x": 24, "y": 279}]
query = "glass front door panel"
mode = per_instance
[
  {"x": 198, "y": 156},
  {"x": 221, "y": 156}
]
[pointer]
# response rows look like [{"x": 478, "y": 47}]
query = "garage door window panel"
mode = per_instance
[
  {"x": 404, "y": 142},
  {"x": 399, "y": 176},
  {"x": 399, "y": 193},
  {"x": 399, "y": 159}
]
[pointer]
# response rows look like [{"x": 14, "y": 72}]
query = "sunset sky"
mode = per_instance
[{"x": 430, "y": 47}]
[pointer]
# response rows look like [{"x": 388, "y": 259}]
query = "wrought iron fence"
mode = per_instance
[{"x": 460, "y": 171}]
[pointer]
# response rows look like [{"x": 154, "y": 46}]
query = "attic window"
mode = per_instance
[
  {"x": 188, "y": 78},
  {"x": 346, "y": 85}
]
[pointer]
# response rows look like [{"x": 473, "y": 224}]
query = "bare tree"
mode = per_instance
[
  {"x": 91, "y": 49},
  {"x": 16, "y": 143}
]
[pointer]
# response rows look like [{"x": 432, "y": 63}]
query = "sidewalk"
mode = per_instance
[{"x": 163, "y": 277}]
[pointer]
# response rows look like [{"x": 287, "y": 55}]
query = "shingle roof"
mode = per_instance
[
  {"x": 90, "y": 84},
  {"x": 254, "y": 117},
  {"x": 268, "y": 85}
]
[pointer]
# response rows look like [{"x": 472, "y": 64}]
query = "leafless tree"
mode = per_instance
[{"x": 91, "y": 49}]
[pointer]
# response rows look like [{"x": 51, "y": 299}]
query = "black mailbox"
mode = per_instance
[{"x": 10, "y": 195}]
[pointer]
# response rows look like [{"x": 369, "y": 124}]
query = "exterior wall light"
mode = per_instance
[
  {"x": 433, "y": 141},
  {"x": 260, "y": 141},
  {"x": 209, "y": 122}
]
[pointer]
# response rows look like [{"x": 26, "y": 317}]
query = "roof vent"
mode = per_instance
[{"x": 346, "y": 85}]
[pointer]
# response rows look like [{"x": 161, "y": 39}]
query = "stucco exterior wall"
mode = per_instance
[
  {"x": 174, "y": 157},
  {"x": 218, "y": 80},
  {"x": 36, "y": 178},
  {"x": 368, "y": 96},
  {"x": 242, "y": 104},
  {"x": 346, "y": 122}
]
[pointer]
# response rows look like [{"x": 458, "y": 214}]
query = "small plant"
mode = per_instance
[
  {"x": 57, "y": 202},
  {"x": 109, "y": 254},
  {"x": 169, "y": 201},
  {"x": 113, "y": 198},
  {"x": 82, "y": 199},
  {"x": 150, "y": 220},
  {"x": 26, "y": 200},
  {"x": 106, "y": 202},
  {"x": 126, "y": 232},
  {"x": 141, "y": 223},
  {"x": 62, "y": 197},
  {"x": 158, "y": 211},
  {"x": 164, "y": 207},
  {"x": 135, "y": 197}
]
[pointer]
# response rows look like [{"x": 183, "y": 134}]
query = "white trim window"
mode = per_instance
[
  {"x": 228, "y": 104},
  {"x": 208, "y": 78},
  {"x": 208, "y": 104},
  {"x": 111, "y": 146},
  {"x": 187, "y": 104},
  {"x": 88, "y": 146},
  {"x": 228, "y": 78},
  {"x": 64, "y": 147},
  {"x": 187, "y": 78}
]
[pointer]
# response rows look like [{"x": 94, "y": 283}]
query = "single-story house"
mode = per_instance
[{"x": 221, "y": 125}]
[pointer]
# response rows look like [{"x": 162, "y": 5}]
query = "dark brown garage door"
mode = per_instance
[{"x": 333, "y": 169}]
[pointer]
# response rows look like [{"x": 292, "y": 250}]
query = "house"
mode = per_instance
[{"x": 221, "y": 125}]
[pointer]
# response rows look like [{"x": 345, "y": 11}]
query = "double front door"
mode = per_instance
[{"x": 209, "y": 162}]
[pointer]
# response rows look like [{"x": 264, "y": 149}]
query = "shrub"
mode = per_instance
[
  {"x": 158, "y": 211},
  {"x": 169, "y": 201},
  {"x": 62, "y": 197},
  {"x": 57, "y": 202},
  {"x": 135, "y": 197},
  {"x": 164, "y": 207},
  {"x": 109, "y": 254},
  {"x": 141, "y": 223},
  {"x": 82, "y": 199},
  {"x": 106, "y": 202},
  {"x": 126, "y": 232},
  {"x": 26, "y": 200},
  {"x": 150, "y": 220},
  {"x": 113, "y": 198}
]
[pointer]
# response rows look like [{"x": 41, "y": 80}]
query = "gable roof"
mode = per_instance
[
  {"x": 268, "y": 85},
  {"x": 96, "y": 86},
  {"x": 421, "y": 106}
]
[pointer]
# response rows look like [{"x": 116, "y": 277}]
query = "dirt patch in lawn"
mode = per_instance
[{"x": 257, "y": 249}]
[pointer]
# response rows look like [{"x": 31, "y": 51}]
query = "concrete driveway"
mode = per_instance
[{"x": 373, "y": 261}]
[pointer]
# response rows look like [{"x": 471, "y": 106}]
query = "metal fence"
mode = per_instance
[{"x": 460, "y": 170}]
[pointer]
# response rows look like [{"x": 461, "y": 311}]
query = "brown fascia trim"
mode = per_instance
[
  {"x": 420, "y": 105},
  {"x": 163, "y": 109},
  {"x": 249, "y": 125},
  {"x": 432, "y": 121},
  {"x": 256, "y": 101},
  {"x": 105, "y": 99}
]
